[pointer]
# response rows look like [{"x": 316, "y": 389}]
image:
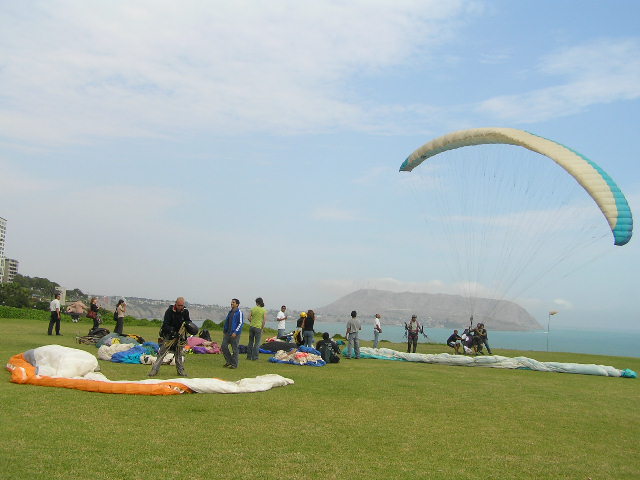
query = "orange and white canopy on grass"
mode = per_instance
[{"x": 58, "y": 366}]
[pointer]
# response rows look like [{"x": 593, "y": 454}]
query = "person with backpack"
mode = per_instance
[
  {"x": 328, "y": 349},
  {"x": 413, "y": 328},
  {"x": 93, "y": 313},
  {"x": 176, "y": 326}
]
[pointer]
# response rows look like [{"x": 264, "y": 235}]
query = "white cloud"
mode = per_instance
[
  {"x": 76, "y": 70},
  {"x": 599, "y": 72}
]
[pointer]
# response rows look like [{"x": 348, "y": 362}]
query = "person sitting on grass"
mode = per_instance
[
  {"x": 454, "y": 341},
  {"x": 328, "y": 349}
]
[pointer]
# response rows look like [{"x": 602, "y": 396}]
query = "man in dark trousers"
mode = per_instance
[
  {"x": 174, "y": 331},
  {"x": 231, "y": 334},
  {"x": 54, "y": 307}
]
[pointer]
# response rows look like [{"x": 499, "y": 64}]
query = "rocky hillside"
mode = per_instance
[{"x": 434, "y": 310}]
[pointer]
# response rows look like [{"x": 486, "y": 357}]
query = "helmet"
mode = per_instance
[
  {"x": 303, "y": 314},
  {"x": 191, "y": 328}
]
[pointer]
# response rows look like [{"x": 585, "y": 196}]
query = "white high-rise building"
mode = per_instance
[{"x": 3, "y": 233}]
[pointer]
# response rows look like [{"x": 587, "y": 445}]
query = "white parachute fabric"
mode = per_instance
[
  {"x": 105, "y": 352},
  {"x": 63, "y": 362},
  {"x": 261, "y": 383},
  {"x": 493, "y": 361},
  {"x": 59, "y": 361}
]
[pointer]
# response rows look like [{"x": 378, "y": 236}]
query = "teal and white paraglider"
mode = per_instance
[{"x": 598, "y": 184}]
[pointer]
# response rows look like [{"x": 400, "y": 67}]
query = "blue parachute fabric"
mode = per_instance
[
  {"x": 312, "y": 350},
  {"x": 151, "y": 348},
  {"x": 129, "y": 356},
  {"x": 628, "y": 373}
]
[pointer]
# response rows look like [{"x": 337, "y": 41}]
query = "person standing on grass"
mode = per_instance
[
  {"x": 307, "y": 329},
  {"x": 121, "y": 311},
  {"x": 413, "y": 329},
  {"x": 483, "y": 338},
  {"x": 54, "y": 307},
  {"x": 175, "y": 328},
  {"x": 377, "y": 330},
  {"x": 353, "y": 327},
  {"x": 93, "y": 313},
  {"x": 231, "y": 334},
  {"x": 257, "y": 319},
  {"x": 281, "y": 318}
]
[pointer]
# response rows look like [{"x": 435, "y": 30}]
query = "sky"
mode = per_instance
[{"x": 240, "y": 148}]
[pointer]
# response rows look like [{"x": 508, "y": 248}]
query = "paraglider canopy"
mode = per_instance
[{"x": 599, "y": 185}]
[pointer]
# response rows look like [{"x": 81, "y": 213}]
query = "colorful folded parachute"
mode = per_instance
[
  {"x": 58, "y": 366},
  {"x": 496, "y": 361},
  {"x": 301, "y": 356}
]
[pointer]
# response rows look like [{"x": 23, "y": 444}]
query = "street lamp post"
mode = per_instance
[{"x": 548, "y": 326}]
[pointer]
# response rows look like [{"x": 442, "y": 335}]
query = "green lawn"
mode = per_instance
[{"x": 357, "y": 419}]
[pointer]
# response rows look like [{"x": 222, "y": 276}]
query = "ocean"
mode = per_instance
[{"x": 599, "y": 342}]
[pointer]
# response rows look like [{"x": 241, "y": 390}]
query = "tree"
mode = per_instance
[{"x": 13, "y": 295}]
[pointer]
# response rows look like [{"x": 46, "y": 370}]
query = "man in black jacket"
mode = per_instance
[
  {"x": 328, "y": 349},
  {"x": 175, "y": 328}
]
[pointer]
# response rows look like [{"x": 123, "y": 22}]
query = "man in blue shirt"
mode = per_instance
[{"x": 231, "y": 334}]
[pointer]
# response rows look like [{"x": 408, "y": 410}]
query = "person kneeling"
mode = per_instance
[
  {"x": 328, "y": 349},
  {"x": 454, "y": 341}
]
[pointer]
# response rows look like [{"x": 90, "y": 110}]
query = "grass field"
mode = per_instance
[{"x": 357, "y": 419}]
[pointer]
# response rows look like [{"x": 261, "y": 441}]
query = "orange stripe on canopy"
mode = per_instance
[{"x": 25, "y": 373}]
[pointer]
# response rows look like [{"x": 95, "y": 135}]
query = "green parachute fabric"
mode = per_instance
[{"x": 588, "y": 174}]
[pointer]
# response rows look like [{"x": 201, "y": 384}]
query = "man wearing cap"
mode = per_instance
[
  {"x": 176, "y": 326},
  {"x": 54, "y": 307},
  {"x": 413, "y": 328}
]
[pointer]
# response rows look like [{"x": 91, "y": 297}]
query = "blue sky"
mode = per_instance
[{"x": 236, "y": 149}]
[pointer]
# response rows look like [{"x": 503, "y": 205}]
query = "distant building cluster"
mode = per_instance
[{"x": 8, "y": 266}]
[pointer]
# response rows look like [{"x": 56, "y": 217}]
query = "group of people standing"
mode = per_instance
[
  {"x": 177, "y": 325},
  {"x": 353, "y": 328},
  {"x": 78, "y": 308}
]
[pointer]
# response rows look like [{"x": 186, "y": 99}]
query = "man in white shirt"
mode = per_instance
[
  {"x": 282, "y": 320},
  {"x": 54, "y": 307},
  {"x": 377, "y": 329}
]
